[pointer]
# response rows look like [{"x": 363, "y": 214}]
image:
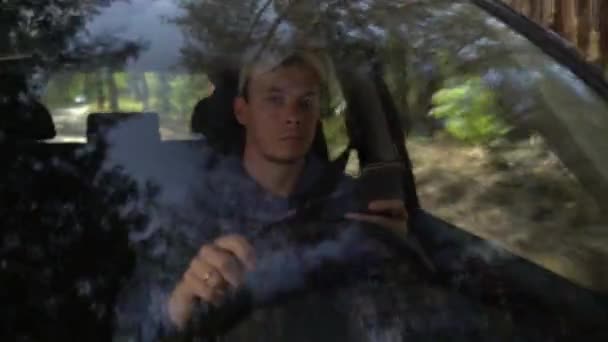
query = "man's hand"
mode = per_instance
[
  {"x": 389, "y": 214},
  {"x": 217, "y": 267}
]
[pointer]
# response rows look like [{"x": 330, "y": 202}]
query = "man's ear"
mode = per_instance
[{"x": 241, "y": 110}]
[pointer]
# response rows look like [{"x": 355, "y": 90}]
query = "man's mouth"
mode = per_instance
[{"x": 292, "y": 138}]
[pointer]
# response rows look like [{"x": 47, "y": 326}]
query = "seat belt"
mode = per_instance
[{"x": 311, "y": 203}]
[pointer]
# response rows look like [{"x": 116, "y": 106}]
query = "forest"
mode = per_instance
[
  {"x": 584, "y": 23},
  {"x": 111, "y": 88}
]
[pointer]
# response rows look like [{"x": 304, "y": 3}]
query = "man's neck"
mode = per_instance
[{"x": 279, "y": 179}]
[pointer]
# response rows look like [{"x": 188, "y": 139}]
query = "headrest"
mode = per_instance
[
  {"x": 144, "y": 126},
  {"x": 213, "y": 116},
  {"x": 216, "y": 111},
  {"x": 24, "y": 119}
]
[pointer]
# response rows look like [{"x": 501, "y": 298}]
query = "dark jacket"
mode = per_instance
[
  {"x": 389, "y": 301},
  {"x": 224, "y": 200}
]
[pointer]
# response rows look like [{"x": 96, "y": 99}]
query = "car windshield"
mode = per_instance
[{"x": 144, "y": 157}]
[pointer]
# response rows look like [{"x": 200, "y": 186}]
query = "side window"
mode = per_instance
[
  {"x": 335, "y": 129},
  {"x": 71, "y": 96},
  {"x": 506, "y": 143}
]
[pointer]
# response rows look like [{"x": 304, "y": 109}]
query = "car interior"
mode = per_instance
[
  {"x": 70, "y": 194},
  {"x": 60, "y": 181},
  {"x": 67, "y": 250}
]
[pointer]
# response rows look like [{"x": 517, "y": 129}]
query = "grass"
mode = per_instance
[{"x": 519, "y": 196}]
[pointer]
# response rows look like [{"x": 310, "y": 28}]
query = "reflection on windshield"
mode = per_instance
[
  {"x": 516, "y": 143},
  {"x": 152, "y": 161}
]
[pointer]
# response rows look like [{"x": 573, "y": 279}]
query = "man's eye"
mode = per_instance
[
  {"x": 277, "y": 100},
  {"x": 307, "y": 103}
]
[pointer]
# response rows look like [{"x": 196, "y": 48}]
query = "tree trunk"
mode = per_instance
[
  {"x": 112, "y": 92},
  {"x": 101, "y": 99},
  {"x": 145, "y": 92},
  {"x": 584, "y": 26},
  {"x": 536, "y": 11},
  {"x": 422, "y": 122},
  {"x": 89, "y": 88},
  {"x": 541, "y": 11},
  {"x": 548, "y": 9},
  {"x": 603, "y": 33},
  {"x": 134, "y": 79},
  {"x": 526, "y": 7},
  {"x": 565, "y": 20},
  {"x": 164, "y": 93},
  {"x": 584, "y": 23},
  {"x": 140, "y": 90}
]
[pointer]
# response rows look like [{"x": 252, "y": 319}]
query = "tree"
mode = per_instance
[
  {"x": 217, "y": 31},
  {"x": 53, "y": 32},
  {"x": 578, "y": 21},
  {"x": 140, "y": 89},
  {"x": 164, "y": 90},
  {"x": 565, "y": 19},
  {"x": 603, "y": 33},
  {"x": 584, "y": 25},
  {"x": 103, "y": 55},
  {"x": 537, "y": 10},
  {"x": 112, "y": 91},
  {"x": 100, "y": 92},
  {"x": 43, "y": 27}
]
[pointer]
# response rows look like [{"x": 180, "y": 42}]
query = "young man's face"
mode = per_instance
[{"x": 281, "y": 112}]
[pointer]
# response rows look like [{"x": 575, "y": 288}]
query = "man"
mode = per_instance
[{"x": 279, "y": 107}]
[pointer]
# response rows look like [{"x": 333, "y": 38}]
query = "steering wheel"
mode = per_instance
[
  {"x": 319, "y": 253},
  {"x": 320, "y": 250}
]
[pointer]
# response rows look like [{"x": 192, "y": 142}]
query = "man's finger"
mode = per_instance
[
  {"x": 211, "y": 290},
  {"x": 215, "y": 297},
  {"x": 375, "y": 219},
  {"x": 207, "y": 273},
  {"x": 218, "y": 297},
  {"x": 198, "y": 287},
  {"x": 226, "y": 263},
  {"x": 395, "y": 208},
  {"x": 396, "y": 226},
  {"x": 240, "y": 247}
]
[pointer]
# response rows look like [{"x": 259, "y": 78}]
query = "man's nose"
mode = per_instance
[{"x": 292, "y": 114}]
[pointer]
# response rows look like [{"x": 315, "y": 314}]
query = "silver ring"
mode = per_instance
[{"x": 207, "y": 278}]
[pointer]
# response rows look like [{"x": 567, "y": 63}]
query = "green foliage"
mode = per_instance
[
  {"x": 62, "y": 89},
  {"x": 128, "y": 104},
  {"x": 153, "y": 83},
  {"x": 186, "y": 91},
  {"x": 44, "y": 26},
  {"x": 122, "y": 81},
  {"x": 334, "y": 129},
  {"x": 470, "y": 111}
]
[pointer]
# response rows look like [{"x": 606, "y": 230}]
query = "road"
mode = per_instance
[{"x": 71, "y": 122}]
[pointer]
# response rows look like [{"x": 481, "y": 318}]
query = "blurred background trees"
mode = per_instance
[
  {"x": 433, "y": 66},
  {"x": 584, "y": 23}
]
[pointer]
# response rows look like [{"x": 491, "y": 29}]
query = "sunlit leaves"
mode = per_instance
[{"x": 470, "y": 111}]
